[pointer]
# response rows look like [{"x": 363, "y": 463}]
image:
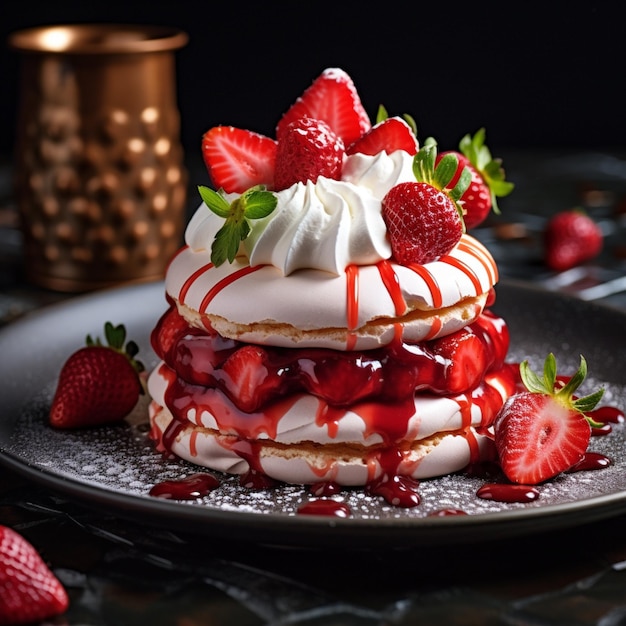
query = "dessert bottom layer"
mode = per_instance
[{"x": 303, "y": 440}]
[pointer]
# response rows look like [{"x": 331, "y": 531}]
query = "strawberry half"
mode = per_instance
[
  {"x": 98, "y": 384},
  {"x": 307, "y": 149},
  {"x": 544, "y": 431},
  {"x": 168, "y": 329},
  {"x": 246, "y": 378},
  {"x": 238, "y": 159},
  {"x": 571, "y": 238},
  {"x": 466, "y": 358},
  {"x": 388, "y": 135},
  {"x": 29, "y": 591},
  {"x": 332, "y": 98}
]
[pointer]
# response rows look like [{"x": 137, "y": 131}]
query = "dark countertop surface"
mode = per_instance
[{"x": 121, "y": 572}]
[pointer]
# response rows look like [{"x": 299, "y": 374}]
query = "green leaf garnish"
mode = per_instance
[
  {"x": 490, "y": 169},
  {"x": 253, "y": 204}
]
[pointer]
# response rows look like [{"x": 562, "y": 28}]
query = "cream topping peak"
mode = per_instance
[{"x": 326, "y": 225}]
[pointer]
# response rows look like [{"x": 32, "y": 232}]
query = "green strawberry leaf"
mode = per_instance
[
  {"x": 439, "y": 176},
  {"x": 588, "y": 403},
  {"x": 115, "y": 339},
  {"x": 410, "y": 120},
  {"x": 445, "y": 170},
  {"x": 255, "y": 203},
  {"x": 114, "y": 335},
  {"x": 549, "y": 385},
  {"x": 490, "y": 169}
]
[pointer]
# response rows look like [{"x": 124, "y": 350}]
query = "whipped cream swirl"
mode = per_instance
[{"x": 326, "y": 225}]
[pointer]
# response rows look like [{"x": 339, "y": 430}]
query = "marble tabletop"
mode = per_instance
[{"x": 130, "y": 571}]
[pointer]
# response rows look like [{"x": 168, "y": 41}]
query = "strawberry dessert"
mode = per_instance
[{"x": 328, "y": 316}]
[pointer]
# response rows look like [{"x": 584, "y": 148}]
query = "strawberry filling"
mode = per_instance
[{"x": 254, "y": 376}]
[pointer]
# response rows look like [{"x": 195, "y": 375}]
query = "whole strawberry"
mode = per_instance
[
  {"x": 29, "y": 591},
  {"x": 488, "y": 179},
  {"x": 98, "y": 384},
  {"x": 307, "y": 149},
  {"x": 571, "y": 238},
  {"x": 544, "y": 431},
  {"x": 424, "y": 222}
]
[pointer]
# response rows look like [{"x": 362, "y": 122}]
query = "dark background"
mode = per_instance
[{"x": 535, "y": 76}]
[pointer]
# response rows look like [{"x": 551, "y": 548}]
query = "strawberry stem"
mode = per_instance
[
  {"x": 115, "y": 338},
  {"x": 490, "y": 169},
  {"x": 440, "y": 175},
  {"x": 549, "y": 385}
]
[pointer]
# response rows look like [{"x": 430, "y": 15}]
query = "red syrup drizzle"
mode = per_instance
[
  {"x": 190, "y": 488},
  {"x": 501, "y": 492},
  {"x": 352, "y": 304},
  {"x": 591, "y": 461},
  {"x": 396, "y": 489},
  {"x": 400, "y": 491},
  {"x": 600, "y": 431},
  {"x": 255, "y": 478},
  {"x": 392, "y": 285},
  {"x": 325, "y": 508},
  {"x": 606, "y": 414},
  {"x": 325, "y": 488}
]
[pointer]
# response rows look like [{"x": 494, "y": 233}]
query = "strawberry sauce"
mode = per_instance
[
  {"x": 502, "y": 492},
  {"x": 455, "y": 364},
  {"x": 326, "y": 508},
  {"x": 194, "y": 486}
]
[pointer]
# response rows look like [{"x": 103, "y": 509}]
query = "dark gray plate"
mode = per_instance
[{"x": 113, "y": 468}]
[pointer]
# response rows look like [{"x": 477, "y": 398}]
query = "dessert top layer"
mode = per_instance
[
  {"x": 326, "y": 225},
  {"x": 312, "y": 307}
]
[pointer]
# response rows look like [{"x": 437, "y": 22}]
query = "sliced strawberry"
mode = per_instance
[
  {"x": 246, "y": 378},
  {"x": 332, "y": 98},
  {"x": 167, "y": 331},
  {"x": 307, "y": 149},
  {"x": 29, "y": 591},
  {"x": 343, "y": 379},
  {"x": 98, "y": 384},
  {"x": 466, "y": 357},
  {"x": 238, "y": 159},
  {"x": 544, "y": 431},
  {"x": 389, "y": 135}
]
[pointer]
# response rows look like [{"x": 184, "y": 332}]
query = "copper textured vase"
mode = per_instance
[{"x": 99, "y": 170}]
